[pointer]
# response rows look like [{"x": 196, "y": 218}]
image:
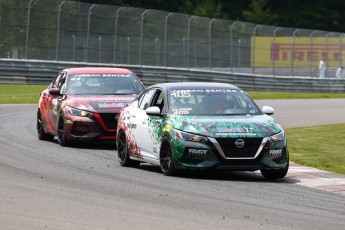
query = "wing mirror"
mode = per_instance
[
  {"x": 54, "y": 91},
  {"x": 267, "y": 110},
  {"x": 154, "y": 110}
]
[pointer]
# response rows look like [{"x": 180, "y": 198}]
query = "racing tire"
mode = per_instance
[
  {"x": 166, "y": 158},
  {"x": 42, "y": 135},
  {"x": 275, "y": 174},
  {"x": 61, "y": 133},
  {"x": 123, "y": 151}
]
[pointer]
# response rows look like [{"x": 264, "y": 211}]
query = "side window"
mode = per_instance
[
  {"x": 62, "y": 83},
  {"x": 145, "y": 100},
  {"x": 56, "y": 80},
  {"x": 159, "y": 99}
]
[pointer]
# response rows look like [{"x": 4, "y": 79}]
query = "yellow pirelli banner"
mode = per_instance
[{"x": 297, "y": 52}]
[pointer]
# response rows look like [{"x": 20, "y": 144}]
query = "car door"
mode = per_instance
[
  {"x": 57, "y": 100},
  {"x": 153, "y": 126},
  {"x": 47, "y": 100},
  {"x": 144, "y": 138}
]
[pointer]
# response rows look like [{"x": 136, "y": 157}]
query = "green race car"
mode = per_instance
[{"x": 195, "y": 125}]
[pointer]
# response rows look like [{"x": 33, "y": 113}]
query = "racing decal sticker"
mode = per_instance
[{"x": 111, "y": 105}]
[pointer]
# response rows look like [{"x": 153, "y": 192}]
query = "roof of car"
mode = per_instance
[
  {"x": 95, "y": 70},
  {"x": 191, "y": 85}
]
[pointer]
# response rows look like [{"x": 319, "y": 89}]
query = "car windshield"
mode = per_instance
[
  {"x": 211, "y": 102},
  {"x": 103, "y": 84}
]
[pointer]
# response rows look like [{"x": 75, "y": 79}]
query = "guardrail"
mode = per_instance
[{"x": 22, "y": 71}]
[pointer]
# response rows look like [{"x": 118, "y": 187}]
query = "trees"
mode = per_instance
[{"x": 309, "y": 14}]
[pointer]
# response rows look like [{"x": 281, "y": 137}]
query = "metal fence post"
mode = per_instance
[
  {"x": 166, "y": 37},
  {"x": 253, "y": 47},
  {"x": 210, "y": 42},
  {"x": 99, "y": 49},
  {"x": 58, "y": 30},
  {"x": 157, "y": 51},
  {"x": 231, "y": 46},
  {"x": 73, "y": 55},
  {"x": 188, "y": 39},
  {"x": 27, "y": 29},
  {"x": 274, "y": 50},
  {"x": 88, "y": 33},
  {"x": 141, "y": 35},
  {"x": 293, "y": 52},
  {"x": 115, "y": 32},
  {"x": 311, "y": 51}
]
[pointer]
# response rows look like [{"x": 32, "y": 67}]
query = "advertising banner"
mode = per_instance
[{"x": 296, "y": 51}]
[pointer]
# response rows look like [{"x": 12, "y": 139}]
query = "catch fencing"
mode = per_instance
[{"x": 70, "y": 31}]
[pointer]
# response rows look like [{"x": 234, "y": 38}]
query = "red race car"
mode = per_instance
[{"x": 83, "y": 103}]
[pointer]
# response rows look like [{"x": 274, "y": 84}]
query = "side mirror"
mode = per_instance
[
  {"x": 54, "y": 91},
  {"x": 267, "y": 110},
  {"x": 154, "y": 110}
]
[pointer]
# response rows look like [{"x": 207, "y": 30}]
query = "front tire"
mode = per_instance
[
  {"x": 123, "y": 152},
  {"x": 62, "y": 138},
  {"x": 166, "y": 158},
  {"x": 42, "y": 135},
  {"x": 275, "y": 174}
]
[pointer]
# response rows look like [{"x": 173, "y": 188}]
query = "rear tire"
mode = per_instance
[
  {"x": 42, "y": 135},
  {"x": 123, "y": 152},
  {"x": 166, "y": 158},
  {"x": 275, "y": 174}
]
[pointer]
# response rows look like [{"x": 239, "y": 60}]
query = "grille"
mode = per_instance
[
  {"x": 230, "y": 150},
  {"x": 109, "y": 120}
]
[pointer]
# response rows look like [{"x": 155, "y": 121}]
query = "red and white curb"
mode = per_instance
[{"x": 315, "y": 178}]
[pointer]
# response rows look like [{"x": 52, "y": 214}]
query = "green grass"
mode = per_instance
[
  {"x": 292, "y": 95},
  {"x": 20, "y": 94},
  {"x": 321, "y": 147},
  {"x": 311, "y": 146},
  {"x": 29, "y": 94}
]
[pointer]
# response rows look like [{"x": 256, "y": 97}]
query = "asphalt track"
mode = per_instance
[{"x": 45, "y": 186}]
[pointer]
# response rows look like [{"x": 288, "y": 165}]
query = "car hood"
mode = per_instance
[
  {"x": 100, "y": 103},
  {"x": 227, "y": 126}
]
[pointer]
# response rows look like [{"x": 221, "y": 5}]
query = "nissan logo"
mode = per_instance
[{"x": 239, "y": 143}]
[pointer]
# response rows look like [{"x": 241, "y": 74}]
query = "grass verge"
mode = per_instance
[
  {"x": 321, "y": 147},
  {"x": 20, "y": 94}
]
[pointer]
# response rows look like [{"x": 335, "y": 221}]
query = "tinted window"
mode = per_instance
[
  {"x": 104, "y": 84},
  {"x": 211, "y": 102},
  {"x": 144, "y": 101}
]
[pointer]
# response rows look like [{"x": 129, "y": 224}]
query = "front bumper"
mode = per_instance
[
  {"x": 212, "y": 155},
  {"x": 95, "y": 127}
]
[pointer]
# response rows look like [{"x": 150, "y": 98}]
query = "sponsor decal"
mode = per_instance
[
  {"x": 234, "y": 130},
  {"x": 236, "y": 134},
  {"x": 276, "y": 152},
  {"x": 187, "y": 92},
  {"x": 182, "y": 111},
  {"x": 78, "y": 76},
  {"x": 131, "y": 126},
  {"x": 111, "y": 105},
  {"x": 197, "y": 152},
  {"x": 167, "y": 128}
]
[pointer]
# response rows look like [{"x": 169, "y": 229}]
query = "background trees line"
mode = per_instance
[{"x": 307, "y": 14}]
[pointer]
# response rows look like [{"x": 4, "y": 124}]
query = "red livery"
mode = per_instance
[{"x": 83, "y": 103}]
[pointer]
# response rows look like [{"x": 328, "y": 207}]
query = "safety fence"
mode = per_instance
[
  {"x": 19, "y": 71},
  {"x": 71, "y": 31}
]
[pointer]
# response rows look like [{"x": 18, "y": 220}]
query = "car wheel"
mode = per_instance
[
  {"x": 42, "y": 135},
  {"x": 166, "y": 158},
  {"x": 62, "y": 132},
  {"x": 275, "y": 174},
  {"x": 123, "y": 152}
]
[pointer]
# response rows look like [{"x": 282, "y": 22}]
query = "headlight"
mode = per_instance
[
  {"x": 78, "y": 112},
  {"x": 277, "y": 137},
  {"x": 189, "y": 136}
]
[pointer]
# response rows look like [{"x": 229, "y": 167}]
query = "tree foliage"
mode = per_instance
[{"x": 308, "y": 14}]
